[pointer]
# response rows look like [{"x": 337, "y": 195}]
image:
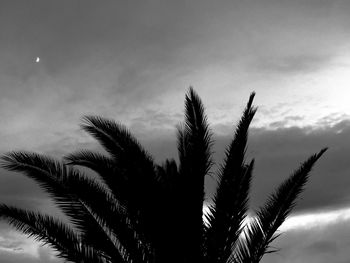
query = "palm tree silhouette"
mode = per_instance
[{"x": 137, "y": 211}]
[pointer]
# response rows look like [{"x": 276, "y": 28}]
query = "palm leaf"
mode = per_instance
[
  {"x": 110, "y": 215},
  {"x": 56, "y": 234},
  {"x": 107, "y": 170},
  {"x": 230, "y": 201},
  {"x": 133, "y": 164},
  {"x": 122, "y": 146},
  {"x": 194, "y": 145},
  {"x": 261, "y": 232},
  {"x": 52, "y": 177},
  {"x": 225, "y": 220},
  {"x": 132, "y": 161}
]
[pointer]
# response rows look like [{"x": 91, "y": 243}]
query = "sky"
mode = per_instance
[{"x": 133, "y": 61}]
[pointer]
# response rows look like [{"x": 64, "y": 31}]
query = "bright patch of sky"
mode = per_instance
[{"x": 306, "y": 220}]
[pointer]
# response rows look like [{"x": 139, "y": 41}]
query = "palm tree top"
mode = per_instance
[{"x": 138, "y": 211}]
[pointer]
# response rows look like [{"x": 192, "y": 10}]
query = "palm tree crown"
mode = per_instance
[{"x": 140, "y": 212}]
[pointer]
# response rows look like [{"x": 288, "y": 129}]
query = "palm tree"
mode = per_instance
[{"x": 137, "y": 211}]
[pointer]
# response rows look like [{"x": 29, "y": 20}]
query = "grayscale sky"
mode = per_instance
[{"x": 133, "y": 61}]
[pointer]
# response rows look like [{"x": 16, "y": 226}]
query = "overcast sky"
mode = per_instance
[{"x": 133, "y": 61}]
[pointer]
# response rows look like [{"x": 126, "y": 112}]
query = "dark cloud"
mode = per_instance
[
  {"x": 18, "y": 188},
  {"x": 320, "y": 247},
  {"x": 279, "y": 152}
]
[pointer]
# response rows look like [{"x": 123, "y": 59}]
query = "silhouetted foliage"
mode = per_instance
[{"x": 137, "y": 211}]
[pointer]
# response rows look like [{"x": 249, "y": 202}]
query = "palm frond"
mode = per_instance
[
  {"x": 52, "y": 177},
  {"x": 196, "y": 138},
  {"x": 130, "y": 158},
  {"x": 118, "y": 141},
  {"x": 106, "y": 168},
  {"x": 133, "y": 163},
  {"x": 52, "y": 232},
  {"x": 231, "y": 198},
  {"x": 261, "y": 232},
  {"x": 115, "y": 215},
  {"x": 225, "y": 220},
  {"x": 194, "y": 146}
]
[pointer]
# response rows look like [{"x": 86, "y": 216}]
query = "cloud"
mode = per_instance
[
  {"x": 278, "y": 153},
  {"x": 293, "y": 64},
  {"x": 317, "y": 219},
  {"x": 322, "y": 247},
  {"x": 321, "y": 244},
  {"x": 117, "y": 59},
  {"x": 16, "y": 247}
]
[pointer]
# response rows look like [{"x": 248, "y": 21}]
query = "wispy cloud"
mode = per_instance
[
  {"x": 293, "y": 64},
  {"x": 316, "y": 220}
]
